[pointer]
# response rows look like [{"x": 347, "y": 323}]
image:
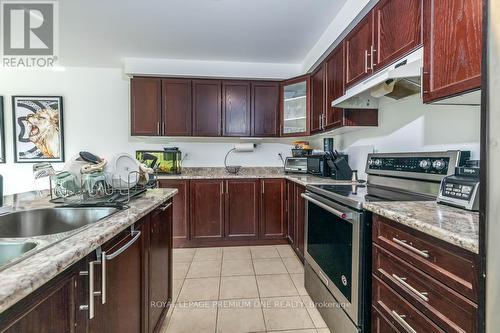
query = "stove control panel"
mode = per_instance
[{"x": 430, "y": 165}]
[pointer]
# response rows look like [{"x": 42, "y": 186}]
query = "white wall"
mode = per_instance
[
  {"x": 96, "y": 118},
  {"x": 408, "y": 125}
]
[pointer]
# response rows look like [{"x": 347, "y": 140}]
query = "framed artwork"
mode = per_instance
[
  {"x": 2, "y": 132},
  {"x": 38, "y": 129}
]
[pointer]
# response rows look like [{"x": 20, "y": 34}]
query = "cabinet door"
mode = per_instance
[
  {"x": 290, "y": 212},
  {"x": 318, "y": 99},
  {"x": 242, "y": 209},
  {"x": 265, "y": 109},
  {"x": 380, "y": 324},
  {"x": 300, "y": 211},
  {"x": 452, "y": 46},
  {"x": 176, "y": 110},
  {"x": 398, "y": 30},
  {"x": 145, "y": 106},
  {"x": 160, "y": 265},
  {"x": 207, "y": 209},
  {"x": 207, "y": 108},
  {"x": 180, "y": 208},
  {"x": 335, "y": 86},
  {"x": 358, "y": 46},
  {"x": 49, "y": 309},
  {"x": 272, "y": 207},
  {"x": 122, "y": 311},
  {"x": 295, "y": 106},
  {"x": 236, "y": 108}
]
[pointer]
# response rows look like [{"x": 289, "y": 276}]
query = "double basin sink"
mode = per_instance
[{"x": 18, "y": 227}]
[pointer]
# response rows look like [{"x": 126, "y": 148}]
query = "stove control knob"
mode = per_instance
[
  {"x": 425, "y": 164},
  {"x": 378, "y": 162},
  {"x": 438, "y": 164},
  {"x": 370, "y": 161}
]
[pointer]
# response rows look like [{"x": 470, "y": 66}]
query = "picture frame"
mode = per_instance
[
  {"x": 38, "y": 129},
  {"x": 2, "y": 132}
]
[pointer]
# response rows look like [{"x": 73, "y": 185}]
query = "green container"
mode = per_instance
[{"x": 168, "y": 161}]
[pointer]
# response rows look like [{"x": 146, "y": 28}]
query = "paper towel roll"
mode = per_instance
[{"x": 244, "y": 147}]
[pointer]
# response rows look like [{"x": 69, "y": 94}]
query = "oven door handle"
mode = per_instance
[{"x": 342, "y": 215}]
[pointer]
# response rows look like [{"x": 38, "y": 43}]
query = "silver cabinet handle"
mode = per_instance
[
  {"x": 158, "y": 128},
  {"x": 345, "y": 216},
  {"x": 165, "y": 207},
  {"x": 372, "y": 56},
  {"x": 401, "y": 280},
  {"x": 163, "y": 128},
  {"x": 403, "y": 243},
  {"x": 401, "y": 319},
  {"x": 105, "y": 257},
  {"x": 90, "y": 273},
  {"x": 366, "y": 61}
]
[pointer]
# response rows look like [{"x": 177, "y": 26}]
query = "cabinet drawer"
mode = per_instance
[
  {"x": 449, "y": 264},
  {"x": 447, "y": 308},
  {"x": 400, "y": 312}
]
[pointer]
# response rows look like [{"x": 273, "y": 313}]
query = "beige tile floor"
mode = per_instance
[{"x": 241, "y": 289}]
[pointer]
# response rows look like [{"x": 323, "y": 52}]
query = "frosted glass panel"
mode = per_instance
[{"x": 295, "y": 108}]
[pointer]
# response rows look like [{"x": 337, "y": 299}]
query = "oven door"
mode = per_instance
[{"x": 332, "y": 249}]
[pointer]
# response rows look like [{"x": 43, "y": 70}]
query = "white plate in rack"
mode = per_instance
[{"x": 122, "y": 172}]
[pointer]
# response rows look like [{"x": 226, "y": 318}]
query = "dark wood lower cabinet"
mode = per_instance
[
  {"x": 242, "y": 209},
  {"x": 272, "y": 217},
  {"x": 290, "y": 213},
  {"x": 160, "y": 265},
  {"x": 207, "y": 209},
  {"x": 296, "y": 218},
  {"x": 415, "y": 285},
  {"x": 180, "y": 220},
  {"x": 137, "y": 283}
]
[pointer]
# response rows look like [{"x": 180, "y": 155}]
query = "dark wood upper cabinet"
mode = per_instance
[
  {"x": 180, "y": 208},
  {"x": 265, "y": 109},
  {"x": 176, "y": 107},
  {"x": 452, "y": 47},
  {"x": 318, "y": 99},
  {"x": 207, "y": 108},
  {"x": 358, "y": 51},
  {"x": 207, "y": 209},
  {"x": 296, "y": 106},
  {"x": 272, "y": 218},
  {"x": 236, "y": 108},
  {"x": 335, "y": 85},
  {"x": 160, "y": 265},
  {"x": 145, "y": 105},
  {"x": 398, "y": 30},
  {"x": 242, "y": 209}
]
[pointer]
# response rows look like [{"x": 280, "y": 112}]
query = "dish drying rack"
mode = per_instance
[{"x": 118, "y": 194}]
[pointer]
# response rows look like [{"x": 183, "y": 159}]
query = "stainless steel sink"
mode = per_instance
[
  {"x": 47, "y": 221},
  {"x": 13, "y": 250}
]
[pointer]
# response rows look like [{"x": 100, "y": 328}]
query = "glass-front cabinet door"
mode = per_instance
[{"x": 295, "y": 106}]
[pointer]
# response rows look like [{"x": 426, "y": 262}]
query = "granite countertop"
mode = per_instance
[
  {"x": 453, "y": 225},
  {"x": 250, "y": 172},
  {"x": 22, "y": 278}
]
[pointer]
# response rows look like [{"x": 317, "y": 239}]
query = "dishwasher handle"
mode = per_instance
[{"x": 136, "y": 234}]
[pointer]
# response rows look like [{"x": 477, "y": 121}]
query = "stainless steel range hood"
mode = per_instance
[{"x": 397, "y": 81}]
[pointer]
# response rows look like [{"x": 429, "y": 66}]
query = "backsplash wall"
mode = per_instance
[
  {"x": 409, "y": 125},
  {"x": 96, "y": 118}
]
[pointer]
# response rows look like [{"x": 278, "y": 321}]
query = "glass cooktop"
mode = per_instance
[{"x": 354, "y": 195}]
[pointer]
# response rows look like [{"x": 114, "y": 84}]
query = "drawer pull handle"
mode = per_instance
[
  {"x": 401, "y": 319},
  {"x": 401, "y": 280},
  {"x": 403, "y": 243}
]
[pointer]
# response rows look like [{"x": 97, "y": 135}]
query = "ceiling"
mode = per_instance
[{"x": 99, "y": 33}]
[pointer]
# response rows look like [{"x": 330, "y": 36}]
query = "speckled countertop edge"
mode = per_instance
[
  {"x": 453, "y": 225},
  {"x": 21, "y": 279}
]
